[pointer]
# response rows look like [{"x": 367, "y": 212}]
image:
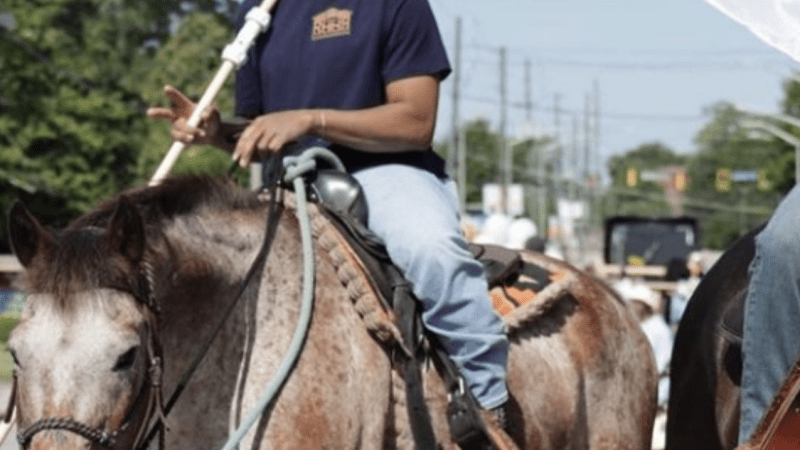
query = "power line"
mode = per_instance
[
  {"x": 606, "y": 115},
  {"x": 638, "y": 66}
]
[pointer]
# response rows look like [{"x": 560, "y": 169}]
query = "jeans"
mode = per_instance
[
  {"x": 415, "y": 213},
  {"x": 772, "y": 313}
]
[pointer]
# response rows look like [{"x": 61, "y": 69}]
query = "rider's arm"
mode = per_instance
[{"x": 405, "y": 122}]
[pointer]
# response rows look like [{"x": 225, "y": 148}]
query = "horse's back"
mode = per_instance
[
  {"x": 583, "y": 371},
  {"x": 704, "y": 386}
]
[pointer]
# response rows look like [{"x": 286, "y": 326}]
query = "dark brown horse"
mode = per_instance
[
  {"x": 706, "y": 369},
  {"x": 154, "y": 268}
]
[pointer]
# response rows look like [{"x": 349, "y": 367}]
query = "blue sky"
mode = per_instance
[{"x": 656, "y": 65}]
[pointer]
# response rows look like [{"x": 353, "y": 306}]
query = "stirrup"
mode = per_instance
[{"x": 466, "y": 425}]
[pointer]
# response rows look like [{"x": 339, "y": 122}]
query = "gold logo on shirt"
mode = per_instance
[{"x": 331, "y": 22}]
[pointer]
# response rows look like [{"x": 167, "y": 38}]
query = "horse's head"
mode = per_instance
[{"x": 85, "y": 347}]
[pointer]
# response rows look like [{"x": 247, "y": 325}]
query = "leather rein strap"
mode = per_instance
[
  {"x": 106, "y": 438},
  {"x": 275, "y": 208}
]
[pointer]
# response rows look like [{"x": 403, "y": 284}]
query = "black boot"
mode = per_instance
[{"x": 500, "y": 415}]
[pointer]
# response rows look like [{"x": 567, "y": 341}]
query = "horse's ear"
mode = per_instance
[
  {"x": 28, "y": 236},
  {"x": 125, "y": 232}
]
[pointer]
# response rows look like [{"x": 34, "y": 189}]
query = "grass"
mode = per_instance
[{"x": 7, "y": 323}]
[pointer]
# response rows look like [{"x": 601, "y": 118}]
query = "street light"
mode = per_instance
[{"x": 762, "y": 123}]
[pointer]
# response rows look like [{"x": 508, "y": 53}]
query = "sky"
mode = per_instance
[{"x": 655, "y": 68}]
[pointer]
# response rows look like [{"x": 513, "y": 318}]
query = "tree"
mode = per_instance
[
  {"x": 187, "y": 61},
  {"x": 82, "y": 73},
  {"x": 484, "y": 151},
  {"x": 724, "y": 144}
]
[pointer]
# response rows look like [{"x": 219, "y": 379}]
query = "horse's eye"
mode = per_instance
[{"x": 125, "y": 361}]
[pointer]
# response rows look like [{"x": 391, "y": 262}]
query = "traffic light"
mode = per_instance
[
  {"x": 679, "y": 180},
  {"x": 723, "y": 181},
  {"x": 632, "y": 177}
]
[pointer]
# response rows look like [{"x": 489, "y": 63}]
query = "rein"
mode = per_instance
[
  {"x": 296, "y": 167},
  {"x": 275, "y": 209}
]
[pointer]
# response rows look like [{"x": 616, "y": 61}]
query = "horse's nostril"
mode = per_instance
[{"x": 126, "y": 360}]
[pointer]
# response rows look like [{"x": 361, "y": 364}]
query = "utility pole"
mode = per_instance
[
  {"x": 457, "y": 155},
  {"x": 587, "y": 142},
  {"x": 538, "y": 152},
  {"x": 559, "y": 175},
  {"x": 528, "y": 101},
  {"x": 573, "y": 157},
  {"x": 597, "y": 162},
  {"x": 507, "y": 178},
  {"x": 596, "y": 130}
]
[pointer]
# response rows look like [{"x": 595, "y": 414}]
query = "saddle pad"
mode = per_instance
[{"x": 522, "y": 289}]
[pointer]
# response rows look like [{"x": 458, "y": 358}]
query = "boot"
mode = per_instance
[
  {"x": 497, "y": 427},
  {"x": 500, "y": 415}
]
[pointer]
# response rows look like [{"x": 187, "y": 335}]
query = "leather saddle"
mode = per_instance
[{"x": 343, "y": 202}]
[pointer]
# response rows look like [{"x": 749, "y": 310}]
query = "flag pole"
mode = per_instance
[{"x": 233, "y": 56}]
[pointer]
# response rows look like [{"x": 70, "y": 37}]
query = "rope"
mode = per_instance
[{"x": 296, "y": 167}]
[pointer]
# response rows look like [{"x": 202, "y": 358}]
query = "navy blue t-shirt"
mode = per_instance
[{"x": 341, "y": 55}]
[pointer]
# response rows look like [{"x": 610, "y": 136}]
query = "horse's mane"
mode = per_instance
[
  {"x": 79, "y": 259},
  {"x": 173, "y": 197}
]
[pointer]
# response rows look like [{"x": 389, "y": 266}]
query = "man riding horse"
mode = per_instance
[{"x": 362, "y": 78}]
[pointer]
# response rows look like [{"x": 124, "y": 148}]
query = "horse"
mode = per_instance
[
  {"x": 122, "y": 299},
  {"x": 706, "y": 367}
]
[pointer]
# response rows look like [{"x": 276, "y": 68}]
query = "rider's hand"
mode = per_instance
[
  {"x": 269, "y": 133},
  {"x": 182, "y": 108}
]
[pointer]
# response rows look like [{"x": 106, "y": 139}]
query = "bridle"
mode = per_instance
[
  {"x": 156, "y": 405},
  {"x": 150, "y": 393}
]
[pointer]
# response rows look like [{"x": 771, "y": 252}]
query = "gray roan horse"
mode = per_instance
[{"x": 156, "y": 267}]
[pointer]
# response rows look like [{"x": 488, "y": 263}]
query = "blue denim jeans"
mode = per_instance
[
  {"x": 772, "y": 313},
  {"x": 416, "y": 214}
]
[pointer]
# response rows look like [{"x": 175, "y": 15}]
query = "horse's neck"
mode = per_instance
[{"x": 198, "y": 277}]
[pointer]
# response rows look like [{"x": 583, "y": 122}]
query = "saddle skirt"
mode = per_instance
[{"x": 522, "y": 285}]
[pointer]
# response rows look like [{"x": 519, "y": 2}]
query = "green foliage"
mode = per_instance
[
  {"x": 484, "y": 154},
  {"x": 7, "y": 323},
  {"x": 723, "y": 143},
  {"x": 76, "y": 77},
  {"x": 483, "y": 158},
  {"x": 187, "y": 61}
]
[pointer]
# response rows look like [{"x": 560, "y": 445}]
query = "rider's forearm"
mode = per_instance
[{"x": 381, "y": 129}]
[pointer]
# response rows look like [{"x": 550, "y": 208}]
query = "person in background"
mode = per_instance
[
  {"x": 520, "y": 230},
  {"x": 685, "y": 288},
  {"x": 771, "y": 337},
  {"x": 647, "y": 305},
  {"x": 494, "y": 230}
]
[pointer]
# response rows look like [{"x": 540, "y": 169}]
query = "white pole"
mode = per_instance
[{"x": 233, "y": 56}]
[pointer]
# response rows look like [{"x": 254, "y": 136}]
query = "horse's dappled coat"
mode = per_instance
[{"x": 581, "y": 372}]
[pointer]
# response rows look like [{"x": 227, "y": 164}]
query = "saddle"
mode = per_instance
[
  {"x": 779, "y": 428},
  {"x": 731, "y": 325},
  {"x": 512, "y": 284}
]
